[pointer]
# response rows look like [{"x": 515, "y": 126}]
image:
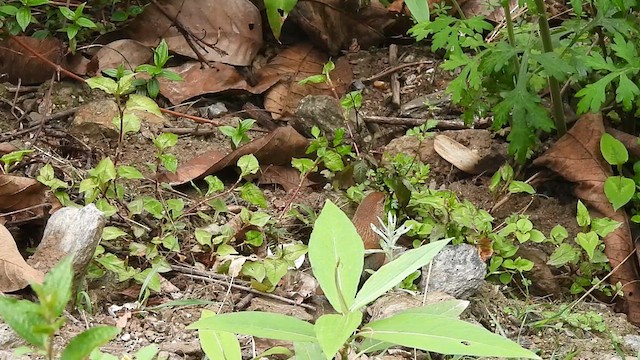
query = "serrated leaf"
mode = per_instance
[
  {"x": 594, "y": 95},
  {"x": 564, "y": 254}
]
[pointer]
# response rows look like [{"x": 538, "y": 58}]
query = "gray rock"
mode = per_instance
[
  {"x": 633, "y": 342},
  {"x": 457, "y": 270},
  {"x": 72, "y": 232},
  {"x": 322, "y": 111},
  {"x": 9, "y": 339}
]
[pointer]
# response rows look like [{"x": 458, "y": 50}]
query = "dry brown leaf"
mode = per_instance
[
  {"x": 209, "y": 80},
  {"x": 127, "y": 52},
  {"x": 18, "y": 64},
  {"x": 18, "y": 193},
  {"x": 295, "y": 64},
  {"x": 287, "y": 177},
  {"x": 232, "y": 26},
  {"x": 576, "y": 157},
  {"x": 15, "y": 273},
  {"x": 275, "y": 148},
  {"x": 334, "y": 24},
  {"x": 368, "y": 212},
  {"x": 457, "y": 154},
  {"x": 6, "y": 148}
]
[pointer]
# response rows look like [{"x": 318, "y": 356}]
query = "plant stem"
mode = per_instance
[
  {"x": 512, "y": 38},
  {"x": 554, "y": 86}
]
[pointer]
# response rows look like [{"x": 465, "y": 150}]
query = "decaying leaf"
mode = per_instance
[
  {"x": 368, "y": 212},
  {"x": 127, "y": 52},
  {"x": 287, "y": 177},
  {"x": 209, "y": 80},
  {"x": 276, "y": 148},
  {"x": 15, "y": 273},
  {"x": 21, "y": 193},
  {"x": 18, "y": 64},
  {"x": 298, "y": 63},
  {"x": 576, "y": 157},
  {"x": 228, "y": 31},
  {"x": 334, "y": 24}
]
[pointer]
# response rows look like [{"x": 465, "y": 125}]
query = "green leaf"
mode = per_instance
[
  {"x": 583, "y": 218},
  {"x": 112, "y": 233},
  {"x": 277, "y": 12},
  {"x": 68, "y": 13},
  {"x": 165, "y": 141},
  {"x": 303, "y": 165},
  {"x": 333, "y": 331},
  {"x": 55, "y": 292},
  {"x": 391, "y": 274},
  {"x": 619, "y": 190},
  {"x": 248, "y": 164},
  {"x": 308, "y": 351},
  {"x": 203, "y": 237},
  {"x": 139, "y": 102},
  {"x": 83, "y": 344},
  {"x": 129, "y": 172},
  {"x": 218, "y": 344},
  {"x": 254, "y": 238},
  {"x": 260, "y": 324},
  {"x": 86, "y": 23},
  {"x": 589, "y": 242},
  {"x": 214, "y": 184},
  {"x": 626, "y": 92},
  {"x": 564, "y": 254},
  {"x": 443, "y": 335},
  {"x": 24, "y": 317},
  {"x": 419, "y": 10},
  {"x": 147, "y": 353},
  {"x": 23, "y": 17},
  {"x": 103, "y": 83},
  {"x": 336, "y": 253},
  {"x": 313, "y": 79},
  {"x": 169, "y": 161},
  {"x": 613, "y": 151},
  {"x": 130, "y": 122},
  {"x": 447, "y": 308},
  {"x": 251, "y": 193},
  {"x": 276, "y": 350},
  {"x": 520, "y": 187},
  {"x": 559, "y": 233},
  {"x": 333, "y": 161},
  {"x": 604, "y": 226},
  {"x": 593, "y": 95}
]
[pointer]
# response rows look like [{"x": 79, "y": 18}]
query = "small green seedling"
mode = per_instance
[
  {"x": 37, "y": 323},
  {"x": 238, "y": 135},
  {"x": 336, "y": 253},
  {"x": 160, "y": 57},
  {"x": 13, "y": 158},
  {"x": 618, "y": 189}
]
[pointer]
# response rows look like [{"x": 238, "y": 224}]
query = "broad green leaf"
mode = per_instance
[
  {"x": 86, "y": 23},
  {"x": 112, "y": 232},
  {"x": 83, "y": 344},
  {"x": 24, "y": 317},
  {"x": 443, "y": 335},
  {"x": 169, "y": 161},
  {"x": 276, "y": 350},
  {"x": 520, "y": 187},
  {"x": 259, "y": 219},
  {"x": 613, "y": 150},
  {"x": 218, "y": 344},
  {"x": 589, "y": 242},
  {"x": 391, "y": 274},
  {"x": 333, "y": 161},
  {"x": 260, "y": 324},
  {"x": 129, "y": 172},
  {"x": 419, "y": 10},
  {"x": 248, "y": 164},
  {"x": 619, "y": 190},
  {"x": 55, "y": 292},
  {"x": 251, "y": 193},
  {"x": 23, "y": 17},
  {"x": 277, "y": 12},
  {"x": 604, "y": 226},
  {"x": 308, "y": 351},
  {"x": 564, "y": 254},
  {"x": 165, "y": 141},
  {"x": 336, "y": 253},
  {"x": 130, "y": 122},
  {"x": 68, "y": 13},
  {"x": 333, "y": 331},
  {"x": 103, "y": 83},
  {"x": 214, "y": 184},
  {"x": 147, "y": 353},
  {"x": 139, "y": 102},
  {"x": 448, "y": 308}
]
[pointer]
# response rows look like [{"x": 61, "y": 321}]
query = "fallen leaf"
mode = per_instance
[
  {"x": 218, "y": 77},
  {"x": 21, "y": 193},
  {"x": 287, "y": 177},
  {"x": 228, "y": 31},
  {"x": 457, "y": 154},
  {"x": 577, "y": 158},
  {"x": 275, "y": 148},
  {"x": 15, "y": 273},
  {"x": 6, "y": 148},
  {"x": 295, "y": 64},
  {"x": 20, "y": 65},
  {"x": 368, "y": 212},
  {"x": 127, "y": 52},
  {"x": 334, "y": 24}
]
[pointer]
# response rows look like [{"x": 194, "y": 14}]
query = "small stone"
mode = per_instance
[
  {"x": 125, "y": 337},
  {"x": 456, "y": 270},
  {"x": 378, "y": 84}
]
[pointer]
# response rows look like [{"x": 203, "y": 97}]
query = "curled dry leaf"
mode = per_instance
[
  {"x": 457, "y": 154},
  {"x": 334, "y": 24},
  {"x": 21, "y": 193},
  {"x": 576, "y": 157},
  {"x": 15, "y": 273},
  {"x": 276, "y": 148},
  {"x": 209, "y": 80},
  {"x": 228, "y": 31},
  {"x": 298, "y": 63},
  {"x": 368, "y": 212}
]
